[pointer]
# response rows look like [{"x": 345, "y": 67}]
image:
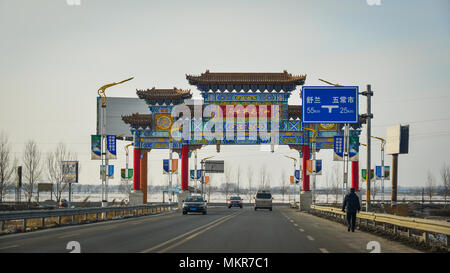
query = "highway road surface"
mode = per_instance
[{"x": 222, "y": 230}]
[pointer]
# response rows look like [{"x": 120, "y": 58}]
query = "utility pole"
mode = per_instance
[{"x": 368, "y": 116}]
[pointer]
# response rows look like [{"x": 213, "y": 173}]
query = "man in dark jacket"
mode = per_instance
[{"x": 351, "y": 204}]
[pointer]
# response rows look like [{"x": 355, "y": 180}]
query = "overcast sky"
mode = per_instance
[{"x": 54, "y": 56}]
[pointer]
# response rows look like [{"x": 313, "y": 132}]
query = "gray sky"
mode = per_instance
[{"x": 54, "y": 56}]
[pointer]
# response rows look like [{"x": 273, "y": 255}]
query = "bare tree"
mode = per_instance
[
  {"x": 335, "y": 181},
  {"x": 283, "y": 184},
  {"x": 6, "y": 165},
  {"x": 228, "y": 178},
  {"x": 32, "y": 168},
  {"x": 263, "y": 178},
  {"x": 238, "y": 179},
  {"x": 327, "y": 189},
  {"x": 249, "y": 183},
  {"x": 54, "y": 169},
  {"x": 445, "y": 176},
  {"x": 430, "y": 185}
]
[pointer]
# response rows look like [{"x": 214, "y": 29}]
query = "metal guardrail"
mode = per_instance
[
  {"x": 33, "y": 214},
  {"x": 426, "y": 226}
]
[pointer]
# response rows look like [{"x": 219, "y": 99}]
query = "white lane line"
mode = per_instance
[
  {"x": 292, "y": 221},
  {"x": 323, "y": 250},
  {"x": 295, "y": 225},
  {"x": 310, "y": 238},
  {"x": 69, "y": 235},
  {"x": 11, "y": 246},
  {"x": 302, "y": 230}
]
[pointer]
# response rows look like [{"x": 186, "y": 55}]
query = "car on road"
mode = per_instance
[
  {"x": 235, "y": 201},
  {"x": 263, "y": 200},
  {"x": 194, "y": 203}
]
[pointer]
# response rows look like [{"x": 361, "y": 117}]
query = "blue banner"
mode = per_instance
[
  {"x": 199, "y": 174},
  {"x": 166, "y": 165},
  {"x": 297, "y": 174},
  {"x": 111, "y": 146}
]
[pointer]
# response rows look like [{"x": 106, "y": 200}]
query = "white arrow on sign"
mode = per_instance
[{"x": 330, "y": 107}]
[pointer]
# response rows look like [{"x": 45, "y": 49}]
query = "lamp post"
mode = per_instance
[
  {"x": 126, "y": 165},
  {"x": 383, "y": 143},
  {"x": 202, "y": 162},
  {"x": 101, "y": 93}
]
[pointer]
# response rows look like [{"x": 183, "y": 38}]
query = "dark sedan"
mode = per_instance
[{"x": 194, "y": 204}]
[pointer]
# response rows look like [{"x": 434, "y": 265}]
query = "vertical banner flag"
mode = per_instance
[
  {"x": 166, "y": 166},
  {"x": 70, "y": 171},
  {"x": 111, "y": 146},
  {"x": 386, "y": 172},
  {"x": 309, "y": 169},
  {"x": 125, "y": 177},
  {"x": 297, "y": 174},
  {"x": 198, "y": 176},
  {"x": 110, "y": 171},
  {"x": 206, "y": 179},
  {"x": 338, "y": 154},
  {"x": 292, "y": 180},
  {"x": 96, "y": 147},
  {"x": 364, "y": 177},
  {"x": 353, "y": 151},
  {"x": 174, "y": 165}
]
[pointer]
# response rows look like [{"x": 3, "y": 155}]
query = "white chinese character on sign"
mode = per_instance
[
  {"x": 335, "y": 100},
  {"x": 343, "y": 99},
  {"x": 309, "y": 99},
  {"x": 317, "y": 100},
  {"x": 350, "y": 99}
]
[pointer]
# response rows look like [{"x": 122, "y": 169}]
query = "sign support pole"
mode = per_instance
[{"x": 369, "y": 115}]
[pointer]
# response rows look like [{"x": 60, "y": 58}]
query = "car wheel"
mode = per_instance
[
  {"x": 270, "y": 209},
  {"x": 184, "y": 213},
  {"x": 255, "y": 208},
  {"x": 204, "y": 212}
]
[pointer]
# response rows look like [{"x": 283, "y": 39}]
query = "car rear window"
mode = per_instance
[
  {"x": 263, "y": 195},
  {"x": 194, "y": 199},
  {"x": 235, "y": 198}
]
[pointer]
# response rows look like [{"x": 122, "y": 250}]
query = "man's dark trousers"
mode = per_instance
[{"x": 351, "y": 220}]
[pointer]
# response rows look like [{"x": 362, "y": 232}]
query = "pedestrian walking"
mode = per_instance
[{"x": 351, "y": 205}]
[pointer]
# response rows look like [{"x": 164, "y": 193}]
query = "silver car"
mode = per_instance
[{"x": 263, "y": 200}]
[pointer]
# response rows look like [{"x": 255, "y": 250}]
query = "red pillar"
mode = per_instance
[
  {"x": 355, "y": 175},
  {"x": 137, "y": 169},
  {"x": 143, "y": 175},
  {"x": 305, "y": 152},
  {"x": 184, "y": 168}
]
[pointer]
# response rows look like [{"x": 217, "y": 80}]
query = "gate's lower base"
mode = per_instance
[
  {"x": 136, "y": 198},
  {"x": 305, "y": 200}
]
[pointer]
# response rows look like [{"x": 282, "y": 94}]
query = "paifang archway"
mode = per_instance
[{"x": 267, "y": 93}]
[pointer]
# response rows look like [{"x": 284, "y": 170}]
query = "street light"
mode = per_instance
[
  {"x": 104, "y": 155},
  {"x": 126, "y": 165},
  {"x": 202, "y": 162},
  {"x": 383, "y": 142},
  {"x": 295, "y": 166}
]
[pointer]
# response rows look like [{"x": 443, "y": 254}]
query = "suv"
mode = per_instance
[
  {"x": 235, "y": 201},
  {"x": 263, "y": 200},
  {"x": 194, "y": 203}
]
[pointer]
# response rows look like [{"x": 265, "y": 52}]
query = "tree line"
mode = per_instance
[{"x": 35, "y": 168}]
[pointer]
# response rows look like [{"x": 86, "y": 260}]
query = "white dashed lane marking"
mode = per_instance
[
  {"x": 323, "y": 250},
  {"x": 310, "y": 238},
  {"x": 302, "y": 230},
  {"x": 11, "y": 246}
]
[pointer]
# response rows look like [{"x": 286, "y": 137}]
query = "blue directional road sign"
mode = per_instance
[{"x": 330, "y": 104}]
